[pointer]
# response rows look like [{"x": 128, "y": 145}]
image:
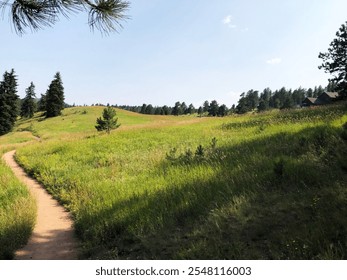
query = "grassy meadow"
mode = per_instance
[{"x": 258, "y": 186}]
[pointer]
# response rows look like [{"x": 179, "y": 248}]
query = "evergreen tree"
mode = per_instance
[
  {"x": 213, "y": 108},
  {"x": 55, "y": 97},
  {"x": 309, "y": 92},
  {"x": 41, "y": 105},
  {"x": 264, "y": 100},
  {"x": 288, "y": 102},
  {"x": 108, "y": 121},
  {"x": 177, "y": 109},
  {"x": 233, "y": 109},
  {"x": 335, "y": 62},
  {"x": 242, "y": 106},
  {"x": 299, "y": 95},
  {"x": 8, "y": 102},
  {"x": 184, "y": 108},
  {"x": 191, "y": 109},
  {"x": 320, "y": 90},
  {"x": 28, "y": 107},
  {"x": 143, "y": 108},
  {"x": 263, "y": 105},
  {"x": 149, "y": 109},
  {"x": 222, "y": 110},
  {"x": 158, "y": 111},
  {"x": 248, "y": 102},
  {"x": 166, "y": 110},
  {"x": 205, "y": 106},
  {"x": 253, "y": 99}
]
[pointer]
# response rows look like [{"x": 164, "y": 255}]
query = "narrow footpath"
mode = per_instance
[{"x": 53, "y": 236}]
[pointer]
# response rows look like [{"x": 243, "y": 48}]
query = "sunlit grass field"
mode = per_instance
[{"x": 260, "y": 186}]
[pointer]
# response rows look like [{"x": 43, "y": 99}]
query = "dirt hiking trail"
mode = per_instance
[{"x": 53, "y": 236}]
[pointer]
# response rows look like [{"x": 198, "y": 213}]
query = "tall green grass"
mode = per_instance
[
  {"x": 274, "y": 186},
  {"x": 17, "y": 213}
]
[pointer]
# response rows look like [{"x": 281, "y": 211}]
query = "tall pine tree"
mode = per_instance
[
  {"x": 8, "y": 102},
  {"x": 335, "y": 60},
  {"x": 28, "y": 107},
  {"x": 55, "y": 97}
]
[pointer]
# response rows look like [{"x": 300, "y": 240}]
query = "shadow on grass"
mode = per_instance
[
  {"x": 245, "y": 210},
  {"x": 12, "y": 238}
]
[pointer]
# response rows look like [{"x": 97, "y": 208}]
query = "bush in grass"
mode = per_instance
[{"x": 200, "y": 151}]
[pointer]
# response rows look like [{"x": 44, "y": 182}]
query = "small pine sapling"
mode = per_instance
[{"x": 108, "y": 121}]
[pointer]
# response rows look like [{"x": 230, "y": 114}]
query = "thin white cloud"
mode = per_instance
[
  {"x": 228, "y": 21},
  {"x": 274, "y": 61}
]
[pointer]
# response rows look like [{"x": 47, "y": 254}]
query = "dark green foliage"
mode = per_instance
[
  {"x": 334, "y": 61},
  {"x": 41, "y": 104},
  {"x": 248, "y": 102},
  {"x": 299, "y": 95},
  {"x": 8, "y": 102},
  {"x": 200, "y": 151},
  {"x": 149, "y": 110},
  {"x": 188, "y": 157},
  {"x": 28, "y": 107},
  {"x": 213, "y": 108},
  {"x": 177, "y": 110},
  {"x": 104, "y": 15},
  {"x": 143, "y": 109},
  {"x": 205, "y": 106},
  {"x": 166, "y": 110},
  {"x": 108, "y": 121},
  {"x": 318, "y": 91},
  {"x": 222, "y": 110},
  {"x": 191, "y": 109},
  {"x": 288, "y": 102},
  {"x": 55, "y": 97},
  {"x": 184, "y": 108},
  {"x": 309, "y": 92},
  {"x": 264, "y": 100},
  {"x": 263, "y": 105},
  {"x": 158, "y": 111}
]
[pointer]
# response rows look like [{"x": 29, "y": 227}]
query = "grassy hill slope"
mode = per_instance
[{"x": 266, "y": 186}]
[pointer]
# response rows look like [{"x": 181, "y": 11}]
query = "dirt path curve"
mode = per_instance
[{"x": 53, "y": 235}]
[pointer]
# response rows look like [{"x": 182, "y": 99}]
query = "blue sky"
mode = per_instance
[{"x": 179, "y": 50}]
